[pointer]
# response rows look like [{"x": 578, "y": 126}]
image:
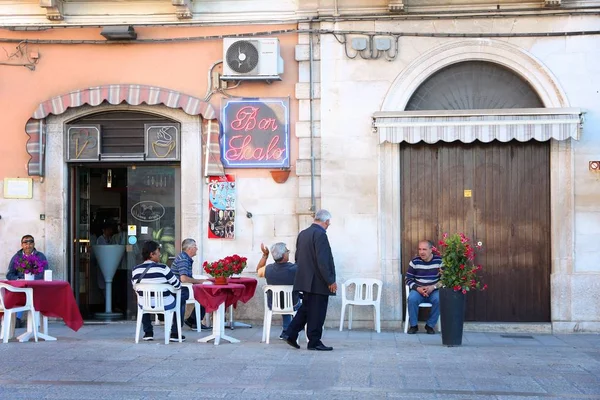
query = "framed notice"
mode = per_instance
[
  {"x": 221, "y": 207},
  {"x": 18, "y": 188},
  {"x": 255, "y": 133}
]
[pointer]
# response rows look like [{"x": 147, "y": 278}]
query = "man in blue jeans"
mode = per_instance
[
  {"x": 281, "y": 272},
  {"x": 423, "y": 278}
]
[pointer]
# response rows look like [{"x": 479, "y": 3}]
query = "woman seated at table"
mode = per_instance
[{"x": 151, "y": 271}]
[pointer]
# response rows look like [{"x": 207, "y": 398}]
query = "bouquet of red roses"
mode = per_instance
[{"x": 225, "y": 267}]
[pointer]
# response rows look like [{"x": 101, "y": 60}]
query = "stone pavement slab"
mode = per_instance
[{"x": 102, "y": 362}]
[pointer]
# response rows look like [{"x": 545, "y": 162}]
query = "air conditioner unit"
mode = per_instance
[{"x": 251, "y": 59}]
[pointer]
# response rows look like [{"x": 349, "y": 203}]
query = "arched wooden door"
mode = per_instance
[{"x": 496, "y": 193}]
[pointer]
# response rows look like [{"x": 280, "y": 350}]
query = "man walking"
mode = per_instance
[{"x": 315, "y": 277}]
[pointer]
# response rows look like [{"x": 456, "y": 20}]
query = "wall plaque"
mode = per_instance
[{"x": 255, "y": 133}]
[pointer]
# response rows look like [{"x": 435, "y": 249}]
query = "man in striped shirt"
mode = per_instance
[
  {"x": 151, "y": 271},
  {"x": 422, "y": 279}
]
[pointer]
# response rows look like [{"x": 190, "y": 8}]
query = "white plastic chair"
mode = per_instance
[
  {"x": 152, "y": 302},
  {"x": 192, "y": 300},
  {"x": 8, "y": 322},
  {"x": 422, "y": 305},
  {"x": 278, "y": 307},
  {"x": 367, "y": 292}
]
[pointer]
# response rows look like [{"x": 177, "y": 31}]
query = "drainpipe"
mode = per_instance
[{"x": 310, "y": 110}]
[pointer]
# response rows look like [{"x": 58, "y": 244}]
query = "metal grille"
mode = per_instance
[{"x": 474, "y": 85}]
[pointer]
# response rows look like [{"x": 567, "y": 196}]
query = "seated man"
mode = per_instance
[
  {"x": 281, "y": 272},
  {"x": 27, "y": 248},
  {"x": 422, "y": 278},
  {"x": 182, "y": 268},
  {"x": 151, "y": 271}
]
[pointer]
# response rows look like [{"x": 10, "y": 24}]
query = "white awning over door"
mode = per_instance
[{"x": 522, "y": 124}]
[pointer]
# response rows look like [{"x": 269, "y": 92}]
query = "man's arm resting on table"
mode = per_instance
[{"x": 187, "y": 279}]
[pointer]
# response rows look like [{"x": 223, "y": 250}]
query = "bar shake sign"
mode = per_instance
[{"x": 255, "y": 133}]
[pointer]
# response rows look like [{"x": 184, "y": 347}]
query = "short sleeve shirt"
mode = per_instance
[{"x": 182, "y": 265}]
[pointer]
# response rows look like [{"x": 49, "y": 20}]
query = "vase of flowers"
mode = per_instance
[
  {"x": 224, "y": 268},
  {"x": 458, "y": 276},
  {"x": 30, "y": 265}
]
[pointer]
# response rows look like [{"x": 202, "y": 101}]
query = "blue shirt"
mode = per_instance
[
  {"x": 182, "y": 265},
  {"x": 12, "y": 274}
]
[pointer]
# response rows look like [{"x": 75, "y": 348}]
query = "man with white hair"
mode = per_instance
[
  {"x": 182, "y": 268},
  {"x": 315, "y": 278},
  {"x": 281, "y": 272}
]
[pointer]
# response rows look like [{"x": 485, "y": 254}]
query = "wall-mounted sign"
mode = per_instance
[
  {"x": 83, "y": 142},
  {"x": 221, "y": 207},
  {"x": 255, "y": 133},
  {"x": 162, "y": 142},
  {"x": 18, "y": 188}
]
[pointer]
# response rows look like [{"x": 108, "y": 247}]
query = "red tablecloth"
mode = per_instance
[
  {"x": 211, "y": 296},
  {"x": 249, "y": 287},
  {"x": 51, "y": 298}
]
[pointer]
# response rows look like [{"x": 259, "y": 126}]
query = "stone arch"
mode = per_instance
[{"x": 505, "y": 54}]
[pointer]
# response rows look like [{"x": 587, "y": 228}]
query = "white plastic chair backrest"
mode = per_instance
[
  {"x": 6, "y": 287},
  {"x": 364, "y": 292},
  {"x": 282, "y": 298},
  {"x": 152, "y": 298}
]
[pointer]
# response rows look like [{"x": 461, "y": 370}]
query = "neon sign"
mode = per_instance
[{"x": 255, "y": 133}]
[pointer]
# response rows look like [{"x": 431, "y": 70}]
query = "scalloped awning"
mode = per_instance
[
  {"x": 133, "y": 95},
  {"x": 466, "y": 126}
]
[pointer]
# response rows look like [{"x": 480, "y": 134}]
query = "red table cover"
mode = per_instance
[
  {"x": 238, "y": 289},
  {"x": 211, "y": 296},
  {"x": 51, "y": 298},
  {"x": 249, "y": 287}
]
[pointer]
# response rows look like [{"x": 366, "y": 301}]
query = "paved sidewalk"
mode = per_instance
[{"x": 102, "y": 362}]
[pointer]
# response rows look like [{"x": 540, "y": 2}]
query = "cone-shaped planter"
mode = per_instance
[{"x": 452, "y": 316}]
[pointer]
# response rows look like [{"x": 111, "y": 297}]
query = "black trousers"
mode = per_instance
[{"x": 311, "y": 313}]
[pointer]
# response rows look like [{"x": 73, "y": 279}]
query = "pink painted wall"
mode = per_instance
[{"x": 178, "y": 66}]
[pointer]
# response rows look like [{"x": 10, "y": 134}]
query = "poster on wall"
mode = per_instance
[
  {"x": 221, "y": 207},
  {"x": 255, "y": 133}
]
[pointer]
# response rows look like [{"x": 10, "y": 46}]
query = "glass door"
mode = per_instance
[{"x": 153, "y": 198}]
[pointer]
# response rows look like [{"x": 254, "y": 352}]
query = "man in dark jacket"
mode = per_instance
[{"x": 316, "y": 279}]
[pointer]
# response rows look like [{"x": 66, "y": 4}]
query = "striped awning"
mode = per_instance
[
  {"x": 133, "y": 95},
  {"x": 466, "y": 126}
]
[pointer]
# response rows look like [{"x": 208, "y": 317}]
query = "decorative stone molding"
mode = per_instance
[
  {"x": 396, "y": 6},
  {"x": 183, "y": 8},
  {"x": 54, "y": 9}
]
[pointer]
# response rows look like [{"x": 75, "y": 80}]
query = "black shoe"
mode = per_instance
[
  {"x": 283, "y": 336},
  {"x": 148, "y": 336},
  {"x": 293, "y": 343},
  {"x": 190, "y": 324},
  {"x": 430, "y": 330},
  {"x": 320, "y": 347},
  {"x": 413, "y": 329},
  {"x": 202, "y": 326},
  {"x": 19, "y": 323},
  {"x": 175, "y": 338}
]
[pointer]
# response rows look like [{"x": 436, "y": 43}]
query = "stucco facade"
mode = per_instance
[{"x": 337, "y": 160}]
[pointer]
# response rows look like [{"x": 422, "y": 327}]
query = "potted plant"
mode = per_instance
[
  {"x": 225, "y": 267},
  {"x": 30, "y": 265},
  {"x": 458, "y": 276}
]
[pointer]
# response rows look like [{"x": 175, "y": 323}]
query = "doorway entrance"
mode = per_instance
[
  {"x": 120, "y": 204},
  {"x": 496, "y": 193}
]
